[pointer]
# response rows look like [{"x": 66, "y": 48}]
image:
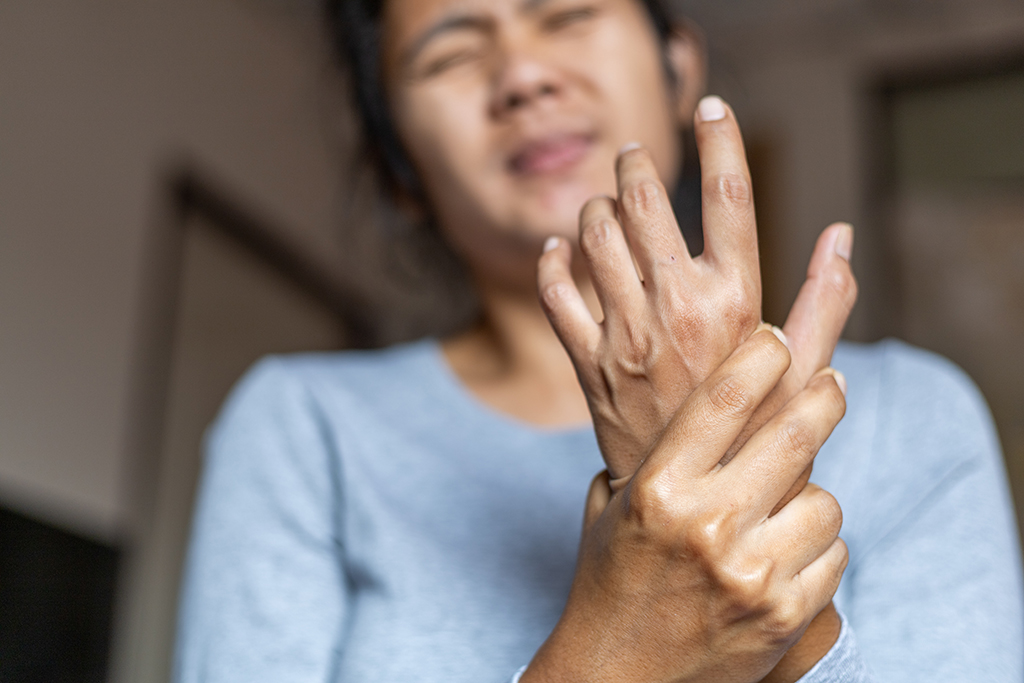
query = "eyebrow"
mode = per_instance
[{"x": 459, "y": 22}]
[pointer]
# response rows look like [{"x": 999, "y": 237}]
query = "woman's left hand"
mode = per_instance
[{"x": 668, "y": 326}]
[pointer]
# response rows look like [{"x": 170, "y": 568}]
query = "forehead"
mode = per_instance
[
  {"x": 400, "y": 13},
  {"x": 406, "y": 24},
  {"x": 405, "y": 20}
]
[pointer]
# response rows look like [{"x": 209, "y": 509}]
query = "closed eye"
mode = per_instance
[
  {"x": 567, "y": 18},
  {"x": 448, "y": 61}
]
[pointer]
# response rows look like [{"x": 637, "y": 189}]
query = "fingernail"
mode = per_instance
[
  {"x": 711, "y": 108},
  {"x": 844, "y": 241},
  {"x": 629, "y": 147},
  {"x": 781, "y": 335},
  {"x": 550, "y": 243},
  {"x": 840, "y": 380}
]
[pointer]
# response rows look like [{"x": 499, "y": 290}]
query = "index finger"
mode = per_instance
[
  {"x": 714, "y": 414},
  {"x": 727, "y": 200}
]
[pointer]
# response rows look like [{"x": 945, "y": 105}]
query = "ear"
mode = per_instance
[{"x": 688, "y": 57}]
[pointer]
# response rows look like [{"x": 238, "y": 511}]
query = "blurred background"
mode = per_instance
[{"x": 176, "y": 201}]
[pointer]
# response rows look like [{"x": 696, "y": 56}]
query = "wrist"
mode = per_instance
[
  {"x": 818, "y": 639},
  {"x": 554, "y": 664}
]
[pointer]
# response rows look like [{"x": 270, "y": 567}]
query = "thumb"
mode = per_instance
[{"x": 823, "y": 305}]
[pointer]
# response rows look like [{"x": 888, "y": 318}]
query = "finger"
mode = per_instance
[
  {"x": 818, "y": 581},
  {"x": 774, "y": 457},
  {"x": 807, "y": 526},
  {"x": 608, "y": 259},
  {"x": 562, "y": 302},
  {"x": 730, "y": 228},
  {"x": 795, "y": 489},
  {"x": 597, "y": 499},
  {"x": 715, "y": 412},
  {"x": 768, "y": 407},
  {"x": 824, "y": 303},
  {"x": 812, "y": 329},
  {"x": 646, "y": 214}
]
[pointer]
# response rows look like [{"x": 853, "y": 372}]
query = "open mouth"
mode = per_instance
[{"x": 550, "y": 155}]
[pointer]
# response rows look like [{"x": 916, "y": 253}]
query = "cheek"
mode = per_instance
[
  {"x": 443, "y": 132},
  {"x": 637, "y": 83}
]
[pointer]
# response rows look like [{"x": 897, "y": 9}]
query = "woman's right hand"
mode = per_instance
[{"x": 684, "y": 574}]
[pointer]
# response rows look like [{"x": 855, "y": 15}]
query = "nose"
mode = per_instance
[{"x": 523, "y": 80}]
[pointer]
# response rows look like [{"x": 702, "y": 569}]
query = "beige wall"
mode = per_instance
[
  {"x": 801, "y": 74},
  {"x": 97, "y": 100}
]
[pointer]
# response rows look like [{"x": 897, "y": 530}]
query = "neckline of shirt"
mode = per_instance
[{"x": 449, "y": 382}]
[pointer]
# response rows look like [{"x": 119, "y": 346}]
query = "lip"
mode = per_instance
[{"x": 550, "y": 154}]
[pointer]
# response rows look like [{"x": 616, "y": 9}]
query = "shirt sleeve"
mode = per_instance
[
  {"x": 934, "y": 590},
  {"x": 842, "y": 664},
  {"x": 264, "y": 594}
]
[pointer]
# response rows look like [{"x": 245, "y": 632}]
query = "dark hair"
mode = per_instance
[
  {"x": 430, "y": 290},
  {"x": 355, "y": 34}
]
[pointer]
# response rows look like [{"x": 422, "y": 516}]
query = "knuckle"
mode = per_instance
[
  {"x": 844, "y": 558},
  {"x": 730, "y": 395},
  {"x": 797, "y": 436},
  {"x": 642, "y": 197},
  {"x": 788, "y": 619},
  {"x": 650, "y": 502},
  {"x": 689, "y": 319},
  {"x": 852, "y": 291},
  {"x": 740, "y": 305},
  {"x": 709, "y": 537},
  {"x": 730, "y": 188},
  {"x": 829, "y": 511},
  {"x": 747, "y": 585},
  {"x": 840, "y": 401},
  {"x": 595, "y": 234},
  {"x": 554, "y": 294},
  {"x": 843, "y": 286},
  {"x": 836, "y": 400}
]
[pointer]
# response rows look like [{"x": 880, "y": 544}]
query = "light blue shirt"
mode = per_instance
[{"x": 363, "y": 518}]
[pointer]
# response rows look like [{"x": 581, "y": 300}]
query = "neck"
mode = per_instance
[{"x": 513, "y": 361}]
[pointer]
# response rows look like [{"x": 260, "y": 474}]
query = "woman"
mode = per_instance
[{"x": 414, "y": 513}]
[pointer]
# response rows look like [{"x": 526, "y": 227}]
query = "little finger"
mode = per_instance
[
  {"x": 817, "y": 583},
  {"x": 805, "y": 528}
]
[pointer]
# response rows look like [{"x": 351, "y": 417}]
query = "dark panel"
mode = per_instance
[{"x": 56, "y": 603}]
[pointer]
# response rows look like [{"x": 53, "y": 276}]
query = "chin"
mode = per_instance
[
  {"x": 559, "y": 209},
  {"x": 561, "y": 221}
]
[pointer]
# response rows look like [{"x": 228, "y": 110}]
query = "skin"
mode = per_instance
[{"x": 513, "y": 113}]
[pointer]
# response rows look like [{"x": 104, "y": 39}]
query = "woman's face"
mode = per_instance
[{"x": 512, "y": 112}]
